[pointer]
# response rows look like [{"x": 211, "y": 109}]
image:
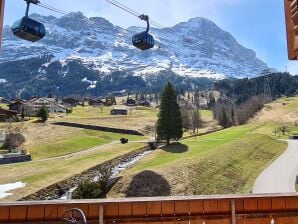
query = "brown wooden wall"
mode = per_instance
[
  {"x": 291, "y": 14},
  {"x": 2, "y": 4},
  {"x": 172, "y": 210}
]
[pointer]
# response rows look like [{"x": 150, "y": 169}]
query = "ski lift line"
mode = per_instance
[
  {"x": 154, "y": 23},
  {"x": 131, "y": 11},
  {"x": 135, "y": 13},
  {"x": 64, "y": 12},
  {"x": 123, "y": 8},
  {"x": 52, "y": 8}
]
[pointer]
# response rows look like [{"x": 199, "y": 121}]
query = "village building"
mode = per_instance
[
  {"x": 110, "y": 101},
  {"x": 95, "y": 102},
  {"x": 6, "y": 115},
  {"x": 17, "y": 106},
  {"x": 131, "y": 102},
  {"x": 70, "y": 102},
  {"x": 144, "y": 103},
  {"x": 34, "y": 105}
]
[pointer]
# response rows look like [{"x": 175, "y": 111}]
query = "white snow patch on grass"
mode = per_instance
[{"x": 4, "y": 188}]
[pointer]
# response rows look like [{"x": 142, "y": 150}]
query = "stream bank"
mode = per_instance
[{"x": 60, "y": 190}]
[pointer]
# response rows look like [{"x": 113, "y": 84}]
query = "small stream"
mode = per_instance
[{"x": 121, "y": 166}]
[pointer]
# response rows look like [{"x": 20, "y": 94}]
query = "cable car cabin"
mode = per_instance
[
  {"x": 143, "y": 41},
  {"x": 28, "y": 29}
]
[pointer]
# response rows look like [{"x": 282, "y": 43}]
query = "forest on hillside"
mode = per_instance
[{"x": 275, "y": 84}]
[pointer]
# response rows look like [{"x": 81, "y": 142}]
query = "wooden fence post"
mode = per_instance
[
  {"x": 233, "y": 209},
  {"x": 100, "y": 217}
]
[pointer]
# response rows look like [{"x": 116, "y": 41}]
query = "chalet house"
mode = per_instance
[
  {"x": 17, "y": 106},
  {"x": 34, "y": 105},
  {"x": 110, "y": 101},
  {"x": 119, "y": 112},
  {"x": 71, "y": 102},
  {"x": 131, "y": 102},
  {"x": 7, "y": 114},
  {"x": 96, "y": 103},
  {"x": 144, "y": 103},
  {"x": 57, "y": 108}
]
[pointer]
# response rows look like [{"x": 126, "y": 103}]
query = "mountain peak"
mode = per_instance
[
  {"x": 73, "y": 20},
  {"x": 199, "y": 20},
  {"x": 195, "y": 48},
  {"x": 74, "y": 15},
  {"x": 101, "y": 22}
]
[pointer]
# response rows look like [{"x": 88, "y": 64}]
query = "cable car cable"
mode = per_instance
[
  {"x": 119, "y": 3},
  {"x": 156, "y": 24},
  {"x": 128, "y": 10},
  {"x": 52, "y": 8},
  {"x": 123, "y": 8}
]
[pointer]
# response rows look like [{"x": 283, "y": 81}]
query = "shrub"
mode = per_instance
[
  {"x": 43, "y": 114},
  {"x": 105, "y": 173},
  {"x": 13, "y": 141},
  {"x": 87, "y": 190}
]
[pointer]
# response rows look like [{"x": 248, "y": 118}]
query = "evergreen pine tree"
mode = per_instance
[
  {"x": 43, "y": 114},
  {"x": 169, "y": 124}
]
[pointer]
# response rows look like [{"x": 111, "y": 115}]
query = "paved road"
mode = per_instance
[{"x": 280, "y": 176}]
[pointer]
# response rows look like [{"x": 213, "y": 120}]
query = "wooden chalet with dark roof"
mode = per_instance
[
  {"x": 7, "y": 114},
  {"x": 71, "y": 101},
  {"x": 95, "y": 102},
  {"x": 17, "y": 105}
]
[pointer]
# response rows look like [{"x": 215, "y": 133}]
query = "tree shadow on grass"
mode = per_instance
[
  {"x": 175, "y": 148},
  {"x": 148, "y": 184}
]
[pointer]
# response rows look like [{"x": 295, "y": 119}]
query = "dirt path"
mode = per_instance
[
  {"x": 280, "y": 176},
  {"x": 93, "y": 149}
]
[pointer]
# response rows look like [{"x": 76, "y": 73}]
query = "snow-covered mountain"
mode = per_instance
[{"x": 197, "y": 48}]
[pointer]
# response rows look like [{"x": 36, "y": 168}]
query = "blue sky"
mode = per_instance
[{"x": 256, "y": 24}]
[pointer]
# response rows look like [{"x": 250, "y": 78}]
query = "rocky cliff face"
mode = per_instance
[{"x": 82, "y": 55}]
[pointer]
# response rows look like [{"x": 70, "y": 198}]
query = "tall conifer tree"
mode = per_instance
[{"x": 169, "y": 124}]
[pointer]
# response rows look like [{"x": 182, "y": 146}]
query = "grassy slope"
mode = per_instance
[
  {"x": 40, "y": 174},
  {"x": 224, "y": 162},
  {"x": 284, "y": 111},
  {"x": 82, "y": 140}
]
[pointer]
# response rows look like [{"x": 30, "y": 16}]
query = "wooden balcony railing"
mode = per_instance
[{"x": 223, "y": 209}]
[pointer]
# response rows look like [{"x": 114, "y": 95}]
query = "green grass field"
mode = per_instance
[
  {"x": 226, "y": 161},
  {"x": 206, "y": 115},
  {"x": 40, "y": 174},
  {"x": 80, "y": 141},
  {"x": 138, "y": 118},
  {"x": 90, "y": 112}
]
